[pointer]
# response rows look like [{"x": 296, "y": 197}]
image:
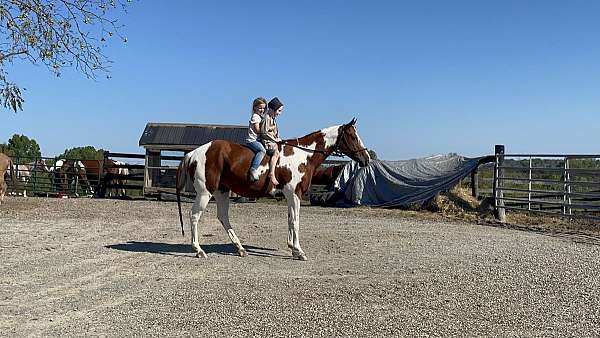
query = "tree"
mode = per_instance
[
  {"x": 22, "y": 148},
  {"x": 56, "y": 33},
  {"x": 372, "y": 154},
  {"x": 83, "y": 153}
]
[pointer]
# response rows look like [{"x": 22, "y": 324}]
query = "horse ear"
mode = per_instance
[{"x": 353, "y": 122}]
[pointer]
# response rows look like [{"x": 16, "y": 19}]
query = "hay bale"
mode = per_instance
[{"x": 458, "y": 202}]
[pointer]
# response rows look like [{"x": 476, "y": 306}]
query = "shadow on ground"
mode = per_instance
[{"x": 186, "y": 249}]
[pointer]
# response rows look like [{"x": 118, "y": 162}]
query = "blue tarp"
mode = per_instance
[{"x": 399, "y": 183}]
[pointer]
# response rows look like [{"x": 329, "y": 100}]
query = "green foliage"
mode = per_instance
[
  {"x": 56, "y": 34},
  {"x": 22, "y": 147},
  {"x": 372, "y": 154},
  {"x": 83, "y": 153}
]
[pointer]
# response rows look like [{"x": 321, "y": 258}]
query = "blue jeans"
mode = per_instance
[{"x": 259, "y": 153}]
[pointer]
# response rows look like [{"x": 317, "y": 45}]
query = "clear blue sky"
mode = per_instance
[{"x": 422, "y": 77}]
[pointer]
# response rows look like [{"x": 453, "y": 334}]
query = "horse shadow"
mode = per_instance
[{"x": 184, "y": 250}]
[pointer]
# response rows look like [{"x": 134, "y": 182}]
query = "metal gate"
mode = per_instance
[{"x": 553, "y": 184}]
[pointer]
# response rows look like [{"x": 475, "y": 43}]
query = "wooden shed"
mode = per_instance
[{"x": 167, "y": 143}]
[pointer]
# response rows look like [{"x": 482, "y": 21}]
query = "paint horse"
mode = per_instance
[
  {"x": 220, "y": 166},
  {"x": 101, "y": 171},
  {"x": 118, "y": 168},
  {"x": 68, "y": 175}
]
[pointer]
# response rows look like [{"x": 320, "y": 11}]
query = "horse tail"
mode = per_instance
[{"x": 180, "y": 181}]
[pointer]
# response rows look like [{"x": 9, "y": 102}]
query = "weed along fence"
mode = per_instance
[{"x": 553, "y": 184}]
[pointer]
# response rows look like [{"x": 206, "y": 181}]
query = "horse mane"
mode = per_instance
[{"x": 303, "y": 140}]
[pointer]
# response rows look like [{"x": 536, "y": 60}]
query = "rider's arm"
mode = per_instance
[{"x": 256, "y": 127}]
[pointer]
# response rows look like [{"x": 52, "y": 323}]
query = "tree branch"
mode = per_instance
[{"x": 9, "y": 55}]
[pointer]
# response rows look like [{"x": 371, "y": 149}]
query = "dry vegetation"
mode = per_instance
[{"x": 458, "y": 204}]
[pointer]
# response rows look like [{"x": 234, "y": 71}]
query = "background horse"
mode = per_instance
[
  {"x": 327, "y": 176},
  {"x": 24, "y": 172},
  {"x": 220, "y": 166},
  {"x": 5, "y": 164},
  {"x": 117, "y": 169},
  {"x": 68, "y": 175}
]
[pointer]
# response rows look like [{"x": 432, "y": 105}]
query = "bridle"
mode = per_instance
[{"x": 334, "y": 151}]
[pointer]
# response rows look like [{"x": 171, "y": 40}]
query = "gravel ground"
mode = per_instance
[{"x": 84, "y": 267}]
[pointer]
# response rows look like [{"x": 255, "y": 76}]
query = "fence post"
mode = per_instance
[
  {"x": 101, "y": 182},
  {"x": 18, "y": 182},
  {"x": 475, "y": 182},
  {"x": 529, "y": 185},
  {"x": 54, "y": 175},
  {"x": 35, "y": 176},
  {"x": 567, "y": 189},
  {"x": 76, "y": 170},
  {"x": 498, "y": 176}
]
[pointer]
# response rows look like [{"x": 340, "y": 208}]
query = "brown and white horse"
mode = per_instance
[
  {"x": 220, "y": 166},
  {"x": 71, "y": 174}
]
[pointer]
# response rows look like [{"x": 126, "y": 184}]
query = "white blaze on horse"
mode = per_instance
[{"x": 221, "y": 166}]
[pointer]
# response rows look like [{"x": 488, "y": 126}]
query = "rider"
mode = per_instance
[
  {"x": 258, "y": 111},
  {"x": 269, "y": 135}
]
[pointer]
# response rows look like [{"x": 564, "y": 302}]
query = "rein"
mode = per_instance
[
  {"x": 306, "y": 149},
  {"x": 335, "y": 151}
]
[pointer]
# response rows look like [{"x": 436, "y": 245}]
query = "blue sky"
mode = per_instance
[{"x": 422, "y": 78}]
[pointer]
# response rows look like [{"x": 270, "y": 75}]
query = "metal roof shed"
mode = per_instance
[
  {"x": 178, "y": 137},
  {"x": 187, "y": 137}
]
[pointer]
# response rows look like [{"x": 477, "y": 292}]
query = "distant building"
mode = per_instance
[{"x": 167, "y": 143}]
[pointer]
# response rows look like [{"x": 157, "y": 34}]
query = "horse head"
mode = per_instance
[{"x": 350, "y": 144}]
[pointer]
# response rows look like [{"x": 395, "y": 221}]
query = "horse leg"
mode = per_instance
[
  {"x": 222, "y": 198},
  {"x": 3, "y": 188},
  {"x": 197, "y": 209},
  {"x": 294, "y": 225}
]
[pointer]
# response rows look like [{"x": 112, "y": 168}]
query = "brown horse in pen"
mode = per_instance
[
  {"x": 220, "y": 166},
  {"x": 327, "y": 176}
]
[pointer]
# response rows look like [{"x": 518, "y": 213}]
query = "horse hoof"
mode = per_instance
[
  {"x": 301, "y": 256},
  {"x": 201, "y": 255},
  {"x": 243, "y": 253}
]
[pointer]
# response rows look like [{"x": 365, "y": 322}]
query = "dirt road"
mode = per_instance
[{"x": 83, "y": 267}]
